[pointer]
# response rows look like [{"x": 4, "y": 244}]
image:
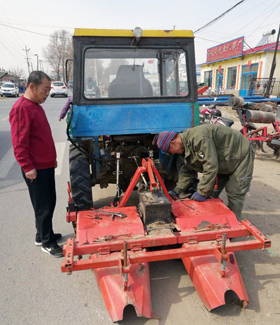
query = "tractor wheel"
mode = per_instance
[{"x": 80, "y": 179}]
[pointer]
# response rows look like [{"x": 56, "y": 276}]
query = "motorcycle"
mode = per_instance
[{"x": 213, "y": 115}]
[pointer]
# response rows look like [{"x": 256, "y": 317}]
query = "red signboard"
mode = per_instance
[{"x": 226, "y": 50}]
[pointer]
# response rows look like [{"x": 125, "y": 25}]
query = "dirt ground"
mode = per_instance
[{"x": 259, "y": 269}]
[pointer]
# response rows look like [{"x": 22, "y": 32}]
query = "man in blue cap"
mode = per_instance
[{"x": 214, "y": 151}]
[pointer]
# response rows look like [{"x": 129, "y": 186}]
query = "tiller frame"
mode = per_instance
[
  {"x": 253, "y": 135},
  {"x": 121, "y": 257}
]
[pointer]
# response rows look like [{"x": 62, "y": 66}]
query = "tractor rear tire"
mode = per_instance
[{"x": 80, "y": 179}]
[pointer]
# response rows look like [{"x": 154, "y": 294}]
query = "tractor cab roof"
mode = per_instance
[{"x": 129, "y": 33}]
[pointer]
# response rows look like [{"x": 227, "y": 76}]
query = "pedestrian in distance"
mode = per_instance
[
  {"x": 65, "y": 108},
  {"x": 34, "y": 151},
  {"x": 214, "y": 151}
]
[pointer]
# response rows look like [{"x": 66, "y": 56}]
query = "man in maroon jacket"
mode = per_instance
[{"x": 34, "y": 150}]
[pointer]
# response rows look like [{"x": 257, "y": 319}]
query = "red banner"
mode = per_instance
[{"x": 226, "y": 50}]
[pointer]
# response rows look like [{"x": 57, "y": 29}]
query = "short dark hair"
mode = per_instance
[{"x": 36, "y": 78}]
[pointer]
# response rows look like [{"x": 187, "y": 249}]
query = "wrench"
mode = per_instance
[{"x": 112, "y": 214}]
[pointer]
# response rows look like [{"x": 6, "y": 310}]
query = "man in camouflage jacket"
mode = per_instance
[{"x": 214, "y": 151}]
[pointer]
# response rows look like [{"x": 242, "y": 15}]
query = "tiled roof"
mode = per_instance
[
  {"x": 2, "y": 74},
  {"x": 264, "y": 48}
]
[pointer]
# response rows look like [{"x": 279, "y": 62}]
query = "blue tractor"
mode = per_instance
[{"x": 128, "y": 85}]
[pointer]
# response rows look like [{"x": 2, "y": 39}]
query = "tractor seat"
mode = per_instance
[{"x": 130, "y": 82}]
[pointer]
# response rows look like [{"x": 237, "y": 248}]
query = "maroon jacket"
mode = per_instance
[{"x": 31, "y": 136}]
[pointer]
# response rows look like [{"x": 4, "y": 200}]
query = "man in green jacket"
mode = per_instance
[{"x": 214, "y": 151}]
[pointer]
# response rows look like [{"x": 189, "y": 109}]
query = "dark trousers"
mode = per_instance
[{"x": 43, "y": 197}]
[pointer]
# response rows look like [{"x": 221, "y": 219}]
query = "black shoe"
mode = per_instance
[
  {"x": 53, "y": 250},
  {"x": 38, "y": 242}
]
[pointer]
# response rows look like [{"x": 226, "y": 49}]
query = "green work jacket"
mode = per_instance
[{"x": 210, "y": 149}]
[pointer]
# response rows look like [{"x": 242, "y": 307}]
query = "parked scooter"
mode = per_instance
[{"x": 213, "y": 115}]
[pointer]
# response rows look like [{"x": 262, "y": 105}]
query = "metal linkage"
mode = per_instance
[
  {"x": 147, "y": 166},
  {"x": 223, "y": 266},
  {"x": 191, "y": 250}
]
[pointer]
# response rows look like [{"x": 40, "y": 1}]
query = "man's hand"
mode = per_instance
[
  {"x": 32, "y": 174},
  {"x": 198, "y": 197},
  {"x": 173, "y": 195}
]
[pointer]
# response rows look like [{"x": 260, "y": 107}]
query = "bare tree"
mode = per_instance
[
  {"x": 18, "y": 74},
  {"x": 58, "y": 51}
]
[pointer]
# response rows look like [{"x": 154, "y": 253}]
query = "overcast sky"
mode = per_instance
[{"x": 21, "y": 20}]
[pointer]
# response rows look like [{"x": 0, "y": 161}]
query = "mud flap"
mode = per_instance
[
  {"x": 116, "y": 297},
  {"x": 211, "y": 287}
]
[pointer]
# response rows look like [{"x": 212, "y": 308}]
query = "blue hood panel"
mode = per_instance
[{"x": 98, "y": 120}]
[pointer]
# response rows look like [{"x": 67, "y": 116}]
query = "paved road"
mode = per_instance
[{"x": 34, "y": 291}]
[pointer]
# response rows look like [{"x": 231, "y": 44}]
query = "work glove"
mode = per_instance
[
  {"x": 173, "y": 195},
  {"x": 198, "y": 197}
]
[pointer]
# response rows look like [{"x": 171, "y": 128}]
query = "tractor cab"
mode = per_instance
[{"x": 128, "y": 85}]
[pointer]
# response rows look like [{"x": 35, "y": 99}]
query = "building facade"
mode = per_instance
[{"x": 231, "y": 70}]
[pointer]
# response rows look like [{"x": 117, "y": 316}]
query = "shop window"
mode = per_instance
[
  {"x": 231, "y": 80},
  {"x": 245, "y": 69},
  {"x": 208, "y": 78},
  {"x": 254, "y": 68}
]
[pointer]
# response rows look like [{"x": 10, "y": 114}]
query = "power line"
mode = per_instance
[
  {"x": 263, "y": 20},
  {"x": 15, "y": 33},
  {"x": 210, "y": 40},
  {"x": 29, "y": 31},
  {"x": 18, "y": 22},
  {"x": 9, "y": 51},
  {"x": 12, "y": 49},
  {"x": 224, "y": 13},
  {"x": 239, "y": 15},
  {"x": 254, "y": 19}
]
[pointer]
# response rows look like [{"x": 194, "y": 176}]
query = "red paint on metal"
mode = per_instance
[
  {"x": 147, "y": 166},
  {"x": 212, "y": 211},
  {"x": 71, "y": 216},
  {"x": 69, "y": 192},
  {"x": 193, "y": 249},
  {"x": 211, "y": 287},
  {"x": 90, "y": 229},
  {"x": 110, "y": 282},
  {"x": 200, "y": 227},
  {"x": 264, "y": 136},
  {"x": 202, "y": 90}
]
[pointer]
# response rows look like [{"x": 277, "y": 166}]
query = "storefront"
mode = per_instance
[{"x": 231, "y": 70}]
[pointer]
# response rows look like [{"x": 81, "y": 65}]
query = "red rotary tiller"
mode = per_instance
[{"x": 119, "y": 241}]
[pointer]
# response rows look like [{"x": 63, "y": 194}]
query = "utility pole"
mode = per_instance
[
  {"x": 273, "y": 66},
  {"x": 37, "y": 61},
  {"x": 28, "y": 65},
  {"x": 41, "y": 65}
]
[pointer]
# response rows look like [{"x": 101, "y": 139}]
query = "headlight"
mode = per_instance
[{"x": 137, "y": 32}]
